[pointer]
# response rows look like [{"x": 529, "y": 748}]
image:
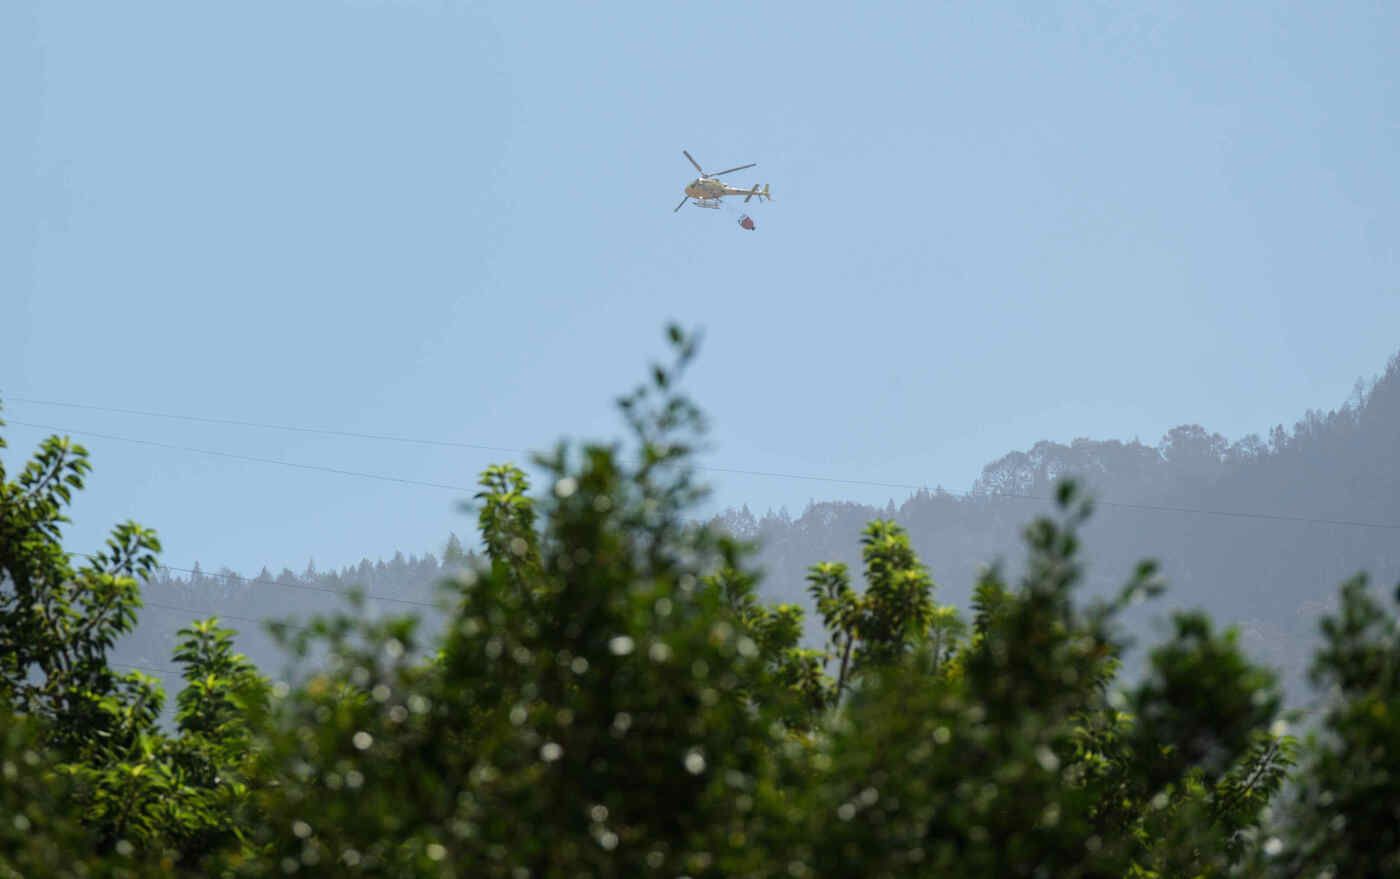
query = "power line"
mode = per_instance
[
  {"x": 1233, "y": 514},
  {"x": 195, "y": 612},
  {"x": 903, "y": 485},
  {"x": 250, "y": 458},
  {"x": 412, "y": 440},
  {"x": 1158, "y": 508},
  {"x": 268, "y": 426}
]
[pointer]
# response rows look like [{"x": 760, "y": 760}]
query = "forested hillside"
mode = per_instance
[
  {"x": 405, "y": 583},
  {"x": 1249, "y": 561}
]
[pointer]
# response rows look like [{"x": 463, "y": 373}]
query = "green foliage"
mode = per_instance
[
  {"x": 1017, "y": 760},
  {"x": 223, "y": 699},
  {"x": 777, "y": 632},
  {"x": 1346, "y": 821},
  {"x": 132, "y": 791},
  {"x": 594, "y": 708},
  {"x": 894, "y": 615},
  {"x": 609, "y": 697},
  {"x": 57, "y": 622},
  {"x": 40, "y": 833},
  {"x": 1201, "y": 703}
]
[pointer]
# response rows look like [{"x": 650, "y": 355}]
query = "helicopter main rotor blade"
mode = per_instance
[
  {"x": 695, "y": 163},
  {"x": 682, "y": 204},
  {"x": 732, "y": 170}
]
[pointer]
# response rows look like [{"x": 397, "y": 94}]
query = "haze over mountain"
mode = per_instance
[{"x": 1258, "y": 531}]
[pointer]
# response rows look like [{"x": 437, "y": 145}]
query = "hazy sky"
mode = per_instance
[{"x": 994, "y": 224}]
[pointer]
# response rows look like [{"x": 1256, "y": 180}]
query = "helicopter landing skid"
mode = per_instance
[{"x": 712, "y": 203}]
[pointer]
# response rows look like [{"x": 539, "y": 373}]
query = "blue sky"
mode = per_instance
[{"x": 994, "y": 223}]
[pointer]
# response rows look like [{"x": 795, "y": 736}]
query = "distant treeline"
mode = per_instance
[{"x": 243, "y": 602}]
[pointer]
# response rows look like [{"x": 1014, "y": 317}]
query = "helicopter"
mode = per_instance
[{"x": 707, "y": 190}]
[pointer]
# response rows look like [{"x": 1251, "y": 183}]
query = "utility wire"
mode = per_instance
[
  {"x": 412, "y": 440},
  {"x": 267, "y": 426},
  {"x": 256, "y": 460},
  {"x": 1159, "y": 508},
  {"x": 196, "y": 612}
]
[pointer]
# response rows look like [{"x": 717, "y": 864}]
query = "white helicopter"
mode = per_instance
[{"x": 707, "y": 190}]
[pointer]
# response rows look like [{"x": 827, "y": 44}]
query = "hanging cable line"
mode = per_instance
[
  {"x": 266, "y": 426},
  {"x": 196, "y": 612},
  {"x": 236, "y": 457}
]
